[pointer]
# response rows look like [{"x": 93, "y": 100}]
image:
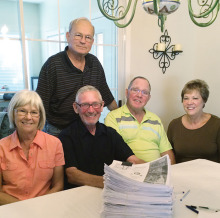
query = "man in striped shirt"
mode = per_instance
[
  {"x": 141, "y": 129},
  {"x": 64, "y": 73}
]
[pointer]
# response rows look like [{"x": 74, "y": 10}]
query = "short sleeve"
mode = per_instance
[
  {"x": 164, "y": 142},
  {"x": 59, "y": 156}
]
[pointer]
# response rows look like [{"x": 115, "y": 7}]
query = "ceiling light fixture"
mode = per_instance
[{"x": 202, "y": 12}]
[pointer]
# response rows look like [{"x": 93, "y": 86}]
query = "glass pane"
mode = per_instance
[
  {"x": 11, "y": 69},
  {"x": 11, "y": 8},
  {"x": 38, "y": 53},
  {"x": 95, "y": 10},
  {"x": 107, "y": 27},
  {"x": 106, "y": 33},
  {"x": 103, "y": 115},
  {"x": 40, "y": 19},
  {"x": 110, "y": 58},
  {"x": 70, "y": 10}
]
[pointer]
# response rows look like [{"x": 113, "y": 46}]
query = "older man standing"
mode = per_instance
[
  {"x": 89, "y": 144},
  {"x": 64, "y": 73},
  {"x": 141, "y": 129}
]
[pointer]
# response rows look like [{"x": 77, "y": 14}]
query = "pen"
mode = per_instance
[
  {"x": 185, "y": 195},
  {"x": 192, "y": 209},
  {"x": 206, "y": 208}
]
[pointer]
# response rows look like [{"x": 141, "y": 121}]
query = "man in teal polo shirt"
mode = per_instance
[{"x": 141, "y": 129}]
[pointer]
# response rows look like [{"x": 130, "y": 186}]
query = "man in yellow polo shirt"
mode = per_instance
[{"x": 141, "y": 129}]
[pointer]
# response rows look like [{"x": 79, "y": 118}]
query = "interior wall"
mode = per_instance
[{"x": 199, "y": 60}]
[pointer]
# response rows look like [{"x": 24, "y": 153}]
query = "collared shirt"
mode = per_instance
[
  {"x": 90, "y": 152},
  {"x": 27, "y": 178},
  {"x": 147, "y": 139},
  {"x": 59, "y": 81}
]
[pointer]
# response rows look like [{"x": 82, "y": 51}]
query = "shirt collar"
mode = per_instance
[
  {"x": 126, "y": 111},
  {"x": 99, "y": 128},
  {"x": 16, "y": 143},
  {"x": 88, "y": 59},
  {"x": 38, "y": 140}
]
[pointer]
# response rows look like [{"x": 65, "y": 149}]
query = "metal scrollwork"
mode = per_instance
[
  {"x": 115, "y": 11},
  {"x": 207, "y": 12},
  {"x": 164, "y": 56},
  {"x": 202, "y": 12}
]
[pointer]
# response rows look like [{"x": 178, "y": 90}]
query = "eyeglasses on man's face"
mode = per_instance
[
  {"x": 79, "y": 36},
  {"x": 137, "y": 91},
  {"x": 85, "y": 106},
  {"x": 22, "y": 112}
]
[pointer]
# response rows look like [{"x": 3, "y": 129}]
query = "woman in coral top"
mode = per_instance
[{"x": 31, "y": 161}]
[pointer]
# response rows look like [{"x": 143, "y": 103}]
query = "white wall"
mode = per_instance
[{"x": 198, "y": 60}]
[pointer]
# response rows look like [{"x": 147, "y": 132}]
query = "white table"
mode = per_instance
[
  {"x": 202, "y": 177},
  {"x": 74, "y": 203}
]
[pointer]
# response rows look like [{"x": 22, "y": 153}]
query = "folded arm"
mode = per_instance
[
  {"x": 135, "y": 160},
  {"x": 79, "y": 177},
  {"x": 171, "y": 156}
]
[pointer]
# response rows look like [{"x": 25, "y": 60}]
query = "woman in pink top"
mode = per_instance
[{"x": 31, "y": 161}]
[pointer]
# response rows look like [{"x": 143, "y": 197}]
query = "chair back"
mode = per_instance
[{"x": 5, "y": 130}]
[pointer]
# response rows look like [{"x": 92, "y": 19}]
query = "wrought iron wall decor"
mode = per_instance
[
  {"x": 164, "y": 51},
  {"x": 202, "y": 12}
]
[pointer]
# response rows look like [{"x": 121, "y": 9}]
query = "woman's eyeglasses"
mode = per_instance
[{"x": 22, "y": 112}]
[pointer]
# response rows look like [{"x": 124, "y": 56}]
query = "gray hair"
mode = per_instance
[
  {"x": 22, "y": 98},
  {"x": 139, "y": 77},
  {"x": 87, "y": 88},
  {"x": 200, "y": 85},
  {"x": 74, "y": 22}
]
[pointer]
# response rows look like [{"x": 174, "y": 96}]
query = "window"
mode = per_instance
[
  {"x": 34, "y": 81},
  {"x": 99, "y": 47},
  {"x": 37, "y": 30},
  {"x": 11, "y": 75}
]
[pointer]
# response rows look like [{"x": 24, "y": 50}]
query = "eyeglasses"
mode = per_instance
[
  {"x": 22, "y": 112},
  {"x": 79, "y": 36},
  {"x": 137, "y": 91},
  {"x": 85, "y": 106}
]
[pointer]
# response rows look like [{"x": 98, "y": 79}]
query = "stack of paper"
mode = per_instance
[{"x": 138, "y": 190}]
